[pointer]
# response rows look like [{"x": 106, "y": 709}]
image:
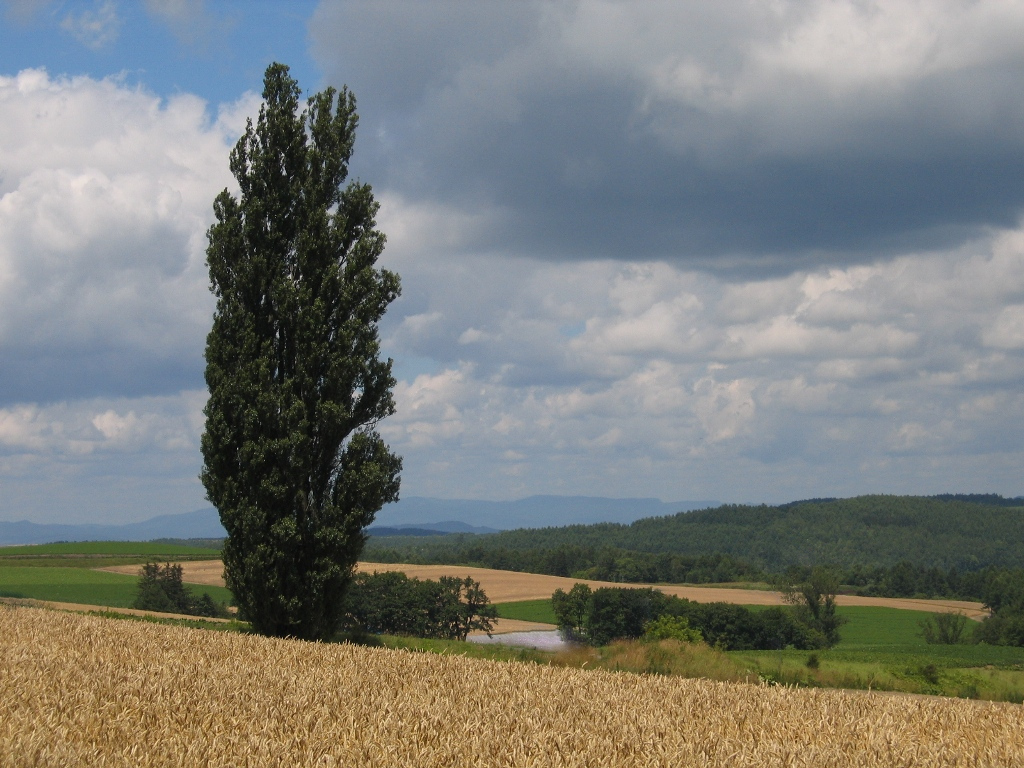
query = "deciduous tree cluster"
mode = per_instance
[
  {"x": 391, "y": 603},
  {"x": 596, "y": 617},
  {"x": 161, "y": 589}
]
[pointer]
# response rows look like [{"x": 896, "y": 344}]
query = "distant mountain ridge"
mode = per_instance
[
  {"x": 199, "y": 524},
  {"x": 530, "y": 512},
  {"x": 413, "y": 516}
]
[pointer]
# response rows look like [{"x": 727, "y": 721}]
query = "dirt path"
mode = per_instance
[{"x": 512, "y": 586}]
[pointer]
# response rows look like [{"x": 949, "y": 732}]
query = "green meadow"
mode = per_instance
[
  {"x": 66, "y": 572},
  {"x": 528, "y": 610},
  {"x": 116, "y": 548}
]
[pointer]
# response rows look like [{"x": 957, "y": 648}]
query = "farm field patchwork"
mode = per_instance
[
  {"x": 80, "y": 585},
  {"x": 72, "y": 572},
  {"x": 514, "y": 586},
  {"x": 87, "y": 690}
]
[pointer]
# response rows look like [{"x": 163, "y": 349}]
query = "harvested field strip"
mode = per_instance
[
  {"x": 513, "y": 586},
  {"x": 81, "y": 690}
]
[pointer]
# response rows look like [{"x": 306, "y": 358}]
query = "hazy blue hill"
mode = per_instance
[
  {"x": 200, "y": 524},
  {"x": 412, "y": 516},
  {"x": 529, "y": 512},
  {"x": 863, "y": 531}
]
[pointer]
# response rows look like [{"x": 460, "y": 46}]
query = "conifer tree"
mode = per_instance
[{"x": 292, "y": 458}]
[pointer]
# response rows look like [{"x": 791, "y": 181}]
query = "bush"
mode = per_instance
[
  {"x": 944, "y": 628},
  {"x": 672, "y": 628}
]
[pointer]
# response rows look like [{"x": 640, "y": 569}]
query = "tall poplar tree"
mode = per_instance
[{"x": 292, "y": 460}]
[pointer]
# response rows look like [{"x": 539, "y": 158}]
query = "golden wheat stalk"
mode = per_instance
[{"x": 82, "y": 690}]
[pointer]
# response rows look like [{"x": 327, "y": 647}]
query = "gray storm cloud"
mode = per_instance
[{"x": 730, "y": 136}]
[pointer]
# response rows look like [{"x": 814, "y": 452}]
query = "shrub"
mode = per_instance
[
  {"x": 944, "y": 628},
  {"x": 161, "y": 589},
  {"x": 672, "y": 628}
]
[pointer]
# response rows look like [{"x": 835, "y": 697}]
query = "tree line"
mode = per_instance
[
  {"x": 598, "y": 616},
  {"x": 965, "y": 533},
  {"x": 903, "y": 579}
]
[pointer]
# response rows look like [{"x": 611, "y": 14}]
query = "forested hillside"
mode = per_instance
[{"x": 966, "y": 533}]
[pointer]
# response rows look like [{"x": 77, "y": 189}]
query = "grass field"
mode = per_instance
[
  {"x": 528, "y": 610},
  {"x": 79, "y": 585},
  {"x": 66, "y": 572},
  {"x": 882, "y": 649},
  {"x": 119, "y": 548},
  {"x": 82, "y": 690}
]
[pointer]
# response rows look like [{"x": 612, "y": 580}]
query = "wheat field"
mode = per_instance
[{"x": 84, "y": 690}]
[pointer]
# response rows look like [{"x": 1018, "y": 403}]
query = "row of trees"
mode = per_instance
[
  {"x": 596, "y": 617},
  {"x": 571, "y": 560},
  {"x": 1005, "y": 598},
  {"x": 904, "y": 579},
  {"x": 379, "y": 603}
]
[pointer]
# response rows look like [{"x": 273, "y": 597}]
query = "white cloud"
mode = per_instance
[
  {"x": 84, "y": 427},
  {"x": 105, "y": 197},
  {"x": 675, "y": 377},
  {"x": 94, "y": 28},
  {"x": 1007, "y": 329}
]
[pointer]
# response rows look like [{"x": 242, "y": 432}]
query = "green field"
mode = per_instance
[
  {"x": 119, "y": 548},
  {"x": 79, "y": 585},
  {"x": 882, "y": 649},
  {"x": 528, "y": 610},
  {"x": 68, "y": 585}
]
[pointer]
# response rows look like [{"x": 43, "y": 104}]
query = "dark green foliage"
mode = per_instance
[
  {"x": 1004, "y": 596},
  {"x": 391, "y": 603},
  {"x": 944, "y": 628},
  {"x": 814, "y": 601},
  {"x": 621, "y": 613},
  {"x": 597, "y": 617},
  {"x": 571, "y": 609},
  {"x": 291, "y": 458},
  {"x": 579, "y": 562},
  {"x": 863, "y": 533},
  {"x": 161, "y": 589}
]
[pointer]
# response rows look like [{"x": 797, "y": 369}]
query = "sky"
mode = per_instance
[{"x": 744, "y": 251}]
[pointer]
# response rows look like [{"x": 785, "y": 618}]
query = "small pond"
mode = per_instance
[{"x": 543, "y": 640}]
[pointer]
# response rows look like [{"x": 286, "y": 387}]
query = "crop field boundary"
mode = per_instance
[{"x": 515, "y": 586}]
